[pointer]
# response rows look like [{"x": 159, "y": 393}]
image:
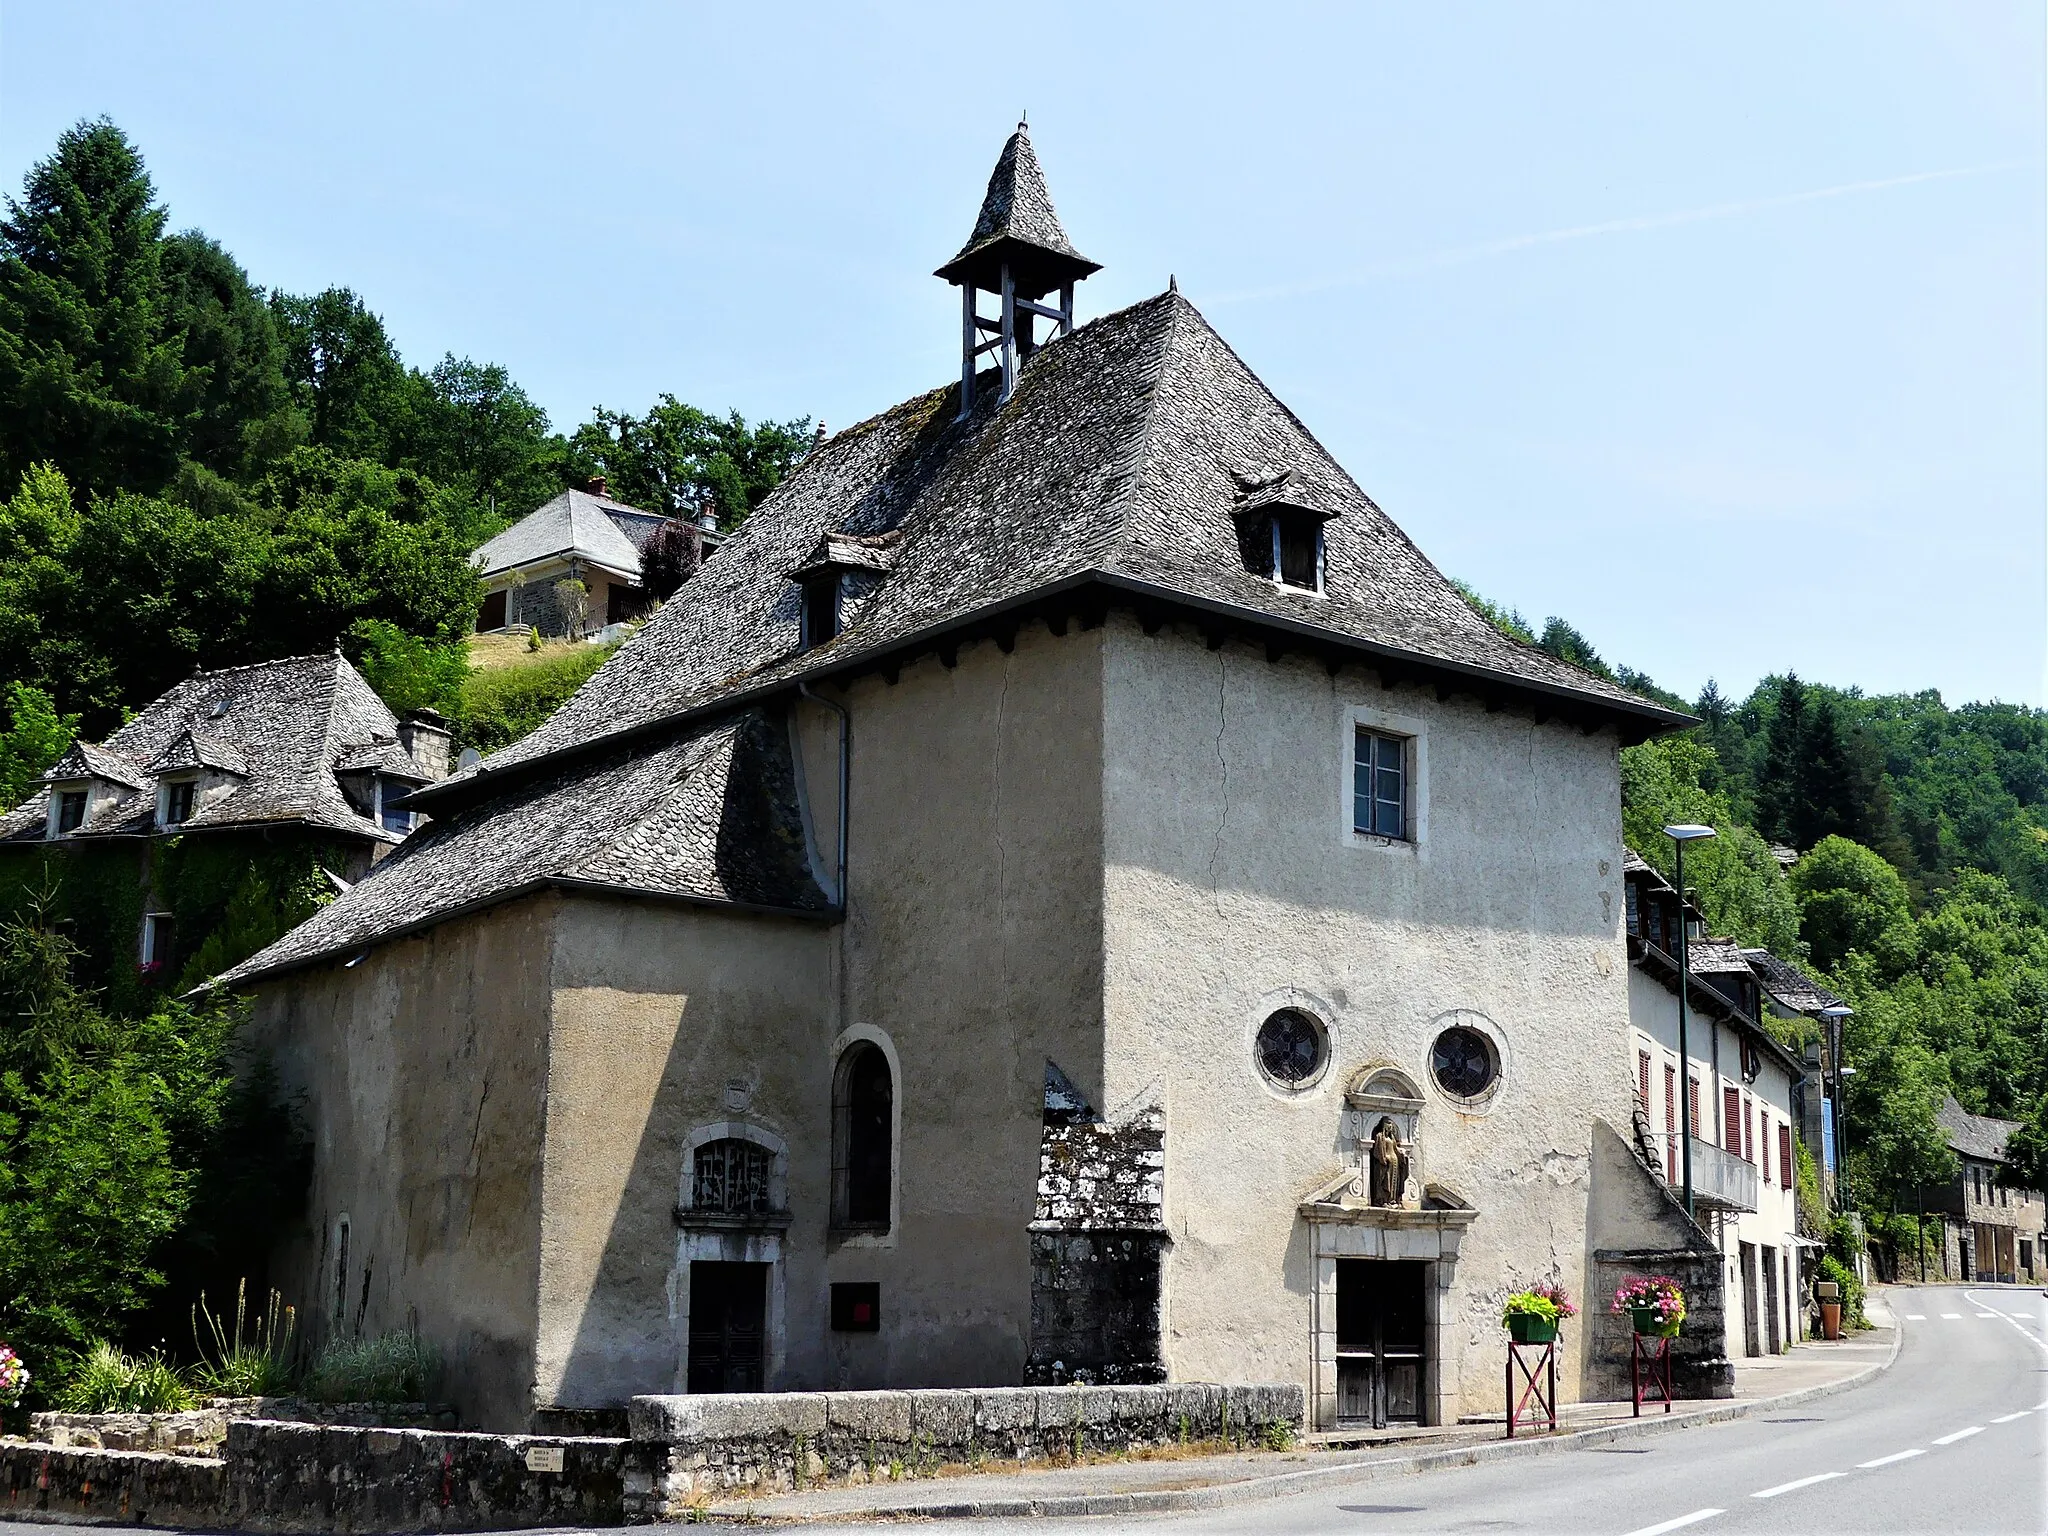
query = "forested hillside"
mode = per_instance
[{"x": 1919, "y": 893}]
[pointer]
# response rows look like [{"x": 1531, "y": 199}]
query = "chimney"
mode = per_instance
[
  {"x": 595, "y": 486},
  {"x": 424, "y": 735}
]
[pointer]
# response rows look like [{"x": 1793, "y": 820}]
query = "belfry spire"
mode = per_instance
[{"x": 1019, "y": 253}]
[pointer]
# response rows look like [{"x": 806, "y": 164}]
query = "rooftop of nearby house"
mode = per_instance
[
  {"x": 1978, "y": 1136},
  {"x": 585, "y": 525},
  {"x": 1790, "y": 986},
  {"x": 1114, "y": 474},
  {"x": 272, "y": 736}
]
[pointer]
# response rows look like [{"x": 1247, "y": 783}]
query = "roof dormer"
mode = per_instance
[
  {"x": 842, "y": 568},
  {"x": 1280, "y": 528}
]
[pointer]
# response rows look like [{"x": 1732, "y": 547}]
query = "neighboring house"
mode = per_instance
[
  {"x": 571, "y": 567},
  {"x": 1070, "y": 892},
  {"x": 1743, "y": 1088},
  {"x": 246, "y": 760},
  {"x": 1990, "y": 1229}
]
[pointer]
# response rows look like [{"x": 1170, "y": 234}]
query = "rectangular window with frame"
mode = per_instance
[
  {"x": 1731, "y": 1120},
  {"x": 1785, "y": 1170},
  {"x": 70, "y": 810},
  {"x": 159, "y": 939},
  {"x": 1671, "y": 1122},
  {"x": 178, "y": 802},
  {"x": 1379, "y": 784}
]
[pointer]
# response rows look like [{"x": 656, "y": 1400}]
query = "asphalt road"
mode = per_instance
[
  {"x": 1951, "y": 1438},
  {"x": 1954, "y": 1438}
]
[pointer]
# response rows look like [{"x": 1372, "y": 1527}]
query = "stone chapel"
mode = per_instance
[{"x": 1069, "y": 893}]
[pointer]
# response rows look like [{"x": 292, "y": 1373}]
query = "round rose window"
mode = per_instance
[
  {"x": 1290, "y": 1047},
  {"x": 1464, "y": 1063}
]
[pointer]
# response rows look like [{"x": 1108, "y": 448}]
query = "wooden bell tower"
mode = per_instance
[{"x": 1020, "y": 254}]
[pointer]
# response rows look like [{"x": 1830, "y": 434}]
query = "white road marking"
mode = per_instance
[
  {"x": 1990, "y": 1314},
  {"x": 1885, "y": 1461},
  {"x": 1961, "y": 1434},
  {"x": 1916, "y": 1317},
  {"x": 2025, "y": 1333},
  {"x": 1951, "y": 1316},
  {"x": 1804, "y": 1482},
  {"x": 2008, "y": 1418},
  {"x": 1683, "y": 1520}
]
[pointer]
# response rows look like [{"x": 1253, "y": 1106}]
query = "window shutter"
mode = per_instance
[
  {"x": 1731, "y": 1120},
  {"x": 1785, "y": 1172},
  {"x": 1643, "y": 1078}
]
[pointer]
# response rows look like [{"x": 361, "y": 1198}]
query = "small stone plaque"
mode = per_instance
[{"x": 543, "y": 1458}]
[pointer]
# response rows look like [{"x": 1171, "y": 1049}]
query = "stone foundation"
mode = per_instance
[
  {"x": 1700, "y": 1367},
  {"x": 689, "y": 1449}
]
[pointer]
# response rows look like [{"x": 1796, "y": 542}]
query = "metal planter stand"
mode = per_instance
[
  {"x": 1649, "y": 1370},
  {"x": 1537, "y": 1405}
]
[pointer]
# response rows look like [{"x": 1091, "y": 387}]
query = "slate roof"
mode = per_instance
[
  {"x": 1716, "y": 957},
  {"x": 1978, "y": 1136},
  {"x": 279, "y": 727},
  {"x": 1792, "y": 987},
  {"x": 1017, "y": 211},
  {"x": 710, "y": 816},
  {"x": 574, "y": 523},
  {"x": 1116, "y": 462}
]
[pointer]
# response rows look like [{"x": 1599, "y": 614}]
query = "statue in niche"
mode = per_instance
[{"x": 1387, "y": 1165}]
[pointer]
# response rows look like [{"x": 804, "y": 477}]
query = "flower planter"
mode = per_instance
[
  {"x": 1532, "y": 1330},
  {"x": 1649, "y": 1321}
]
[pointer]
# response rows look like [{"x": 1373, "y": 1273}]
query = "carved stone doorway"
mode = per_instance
[{"x": 1382, "y": 1333}]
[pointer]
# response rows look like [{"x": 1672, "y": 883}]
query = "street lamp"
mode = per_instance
[
  {"x": 1683, "y": 833},
  {"x": 1834, "y": 1013}
]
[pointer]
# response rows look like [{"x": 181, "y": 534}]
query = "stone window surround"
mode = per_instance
[
  {"x": 756, "y": 1242},
  {"x": 1317, "y": 1009},
  {"x": 1350, "y": 717},
  {"x": 1432, "y": 1237},
  {"x": 852, "y": 1035},
  {"x": 1504, "y": 1062}
]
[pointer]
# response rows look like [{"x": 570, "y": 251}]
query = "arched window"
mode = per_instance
[{"x": 863, "y": 1130}]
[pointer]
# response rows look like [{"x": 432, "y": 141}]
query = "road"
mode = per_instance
[
  {"x": 1953, "y": 1438},
  {"x": 1950, "y": 1439}
]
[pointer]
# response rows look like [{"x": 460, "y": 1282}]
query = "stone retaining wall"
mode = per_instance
[
  {"x": 201, "y": 1431},
  {"x": 687, "y": 1449},
  {"x": 275, "y": 1476}
]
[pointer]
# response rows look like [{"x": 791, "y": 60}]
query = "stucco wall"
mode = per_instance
[
  {"x": 973, "y": 944},
  {"x": 1234, "y": 884},
  {"x": 423, "y": 1071},
  {"x": 668, "y": 1020}
]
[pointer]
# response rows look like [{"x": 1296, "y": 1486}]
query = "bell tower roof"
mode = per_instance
[{"x": 1018, "y": 228}]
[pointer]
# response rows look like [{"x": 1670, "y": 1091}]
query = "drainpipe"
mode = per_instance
[{"x": 845, "y": 785}]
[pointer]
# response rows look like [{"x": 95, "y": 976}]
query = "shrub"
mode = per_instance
[
  {"x": 1832, "y": 1268},
  {"x": 390, "y": 1368},
  {"x": 107, "y": 1381}
]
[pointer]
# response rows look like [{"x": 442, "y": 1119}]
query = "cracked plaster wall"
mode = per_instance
[{"x": 1234, "y": 884}]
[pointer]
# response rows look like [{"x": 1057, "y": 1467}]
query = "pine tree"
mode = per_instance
[
  {"x": 1777, "y": 787},
  {"x": 92, "y": 376},
  {"x": 244, "y": 417}
]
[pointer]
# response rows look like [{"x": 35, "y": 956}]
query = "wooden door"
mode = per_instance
[
  {"x": 1381, "y": 1335},
  {"x": 728, "y": 1327},
  {"x": 1747, "y": 1258}
]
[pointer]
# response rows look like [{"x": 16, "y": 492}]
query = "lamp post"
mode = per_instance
[
  {"x": 1681, "y": 834},
  {"x": 1834, "y": 1014}
]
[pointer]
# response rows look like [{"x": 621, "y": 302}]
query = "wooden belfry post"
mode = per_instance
[{"x": 1019, "y": 254}]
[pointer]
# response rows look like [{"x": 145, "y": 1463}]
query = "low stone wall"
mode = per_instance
[
  {"x": 201, "y": 1431},
  {"x": 1700, "y": 1367},
  {"x": 275, "y": 1476},
  {"x": 690, "y": 1448}
]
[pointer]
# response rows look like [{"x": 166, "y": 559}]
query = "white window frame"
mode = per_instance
[
  {"x": 1353, "y": 718},
  {"x": 1273, "y": 526},
  {"x": 150, "y": 922},
  {"x": 163, "y": 800},
  {"x": 57, "y": 793}
]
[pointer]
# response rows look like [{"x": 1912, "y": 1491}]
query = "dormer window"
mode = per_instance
[
  {"x": 821, "y": 608},
  {"x": 1279, "y": 533},
  {"x": 178, "y": 797},
  {"x": 394, "y": 819},
  {"x": 1298, "y": 549},
  {"x": 71, "y": 804}
]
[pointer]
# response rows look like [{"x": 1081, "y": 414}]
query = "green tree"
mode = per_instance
[
  {"x": 245, "y": 417},
  {"x": 344, "y": 373},
  {"x": 92, "y": 375},
  {"x": 35, "y": 737},
  {"x": 1851, "y": 899},
  {"x": 469, "y": 427},
  {"x": 676, "y": 457}
]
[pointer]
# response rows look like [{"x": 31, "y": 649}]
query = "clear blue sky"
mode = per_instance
[{"x": 1718, "y": 330}]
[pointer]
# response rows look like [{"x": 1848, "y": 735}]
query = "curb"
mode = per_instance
[{"x": 1253, "y": 1489}]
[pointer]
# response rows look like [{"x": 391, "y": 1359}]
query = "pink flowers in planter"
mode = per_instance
[
  {"x": 13, "y": 1377},
  {"x": 1658, "y": 1293}
]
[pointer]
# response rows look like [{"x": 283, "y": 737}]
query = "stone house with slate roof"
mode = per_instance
[
  {"x": 1070, "y": 892},
  {"x": 570, "y": 567},
  {"x": 1991, "y": 1227},
  {"x": 244, "y": 759}
]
